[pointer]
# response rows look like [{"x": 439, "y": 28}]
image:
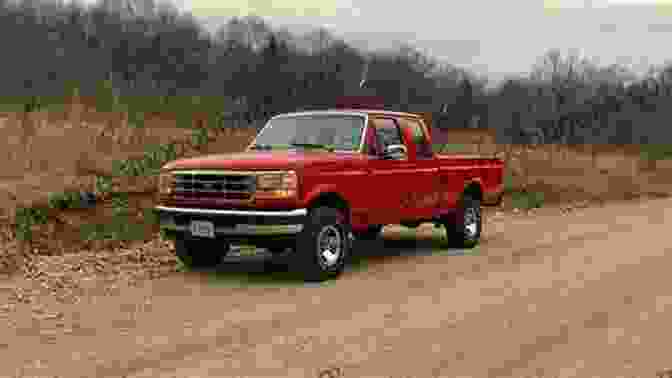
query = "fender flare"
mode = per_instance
[{"x": 317, "y": 191}]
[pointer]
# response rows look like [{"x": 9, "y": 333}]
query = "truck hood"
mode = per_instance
[{"x": 262, "y": 160}]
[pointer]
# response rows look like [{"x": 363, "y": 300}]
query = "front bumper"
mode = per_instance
[{"x": 234, "y": 223}]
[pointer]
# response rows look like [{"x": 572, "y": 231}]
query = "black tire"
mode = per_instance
[
  {"x": 371, "y": 233},
  {"x": 328, "y": 226},
  {"x": 464, "y": 229},
  {"x": 200, "y": 253}
]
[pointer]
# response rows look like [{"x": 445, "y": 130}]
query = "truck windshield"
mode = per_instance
[{"x": 334, "y": 132}]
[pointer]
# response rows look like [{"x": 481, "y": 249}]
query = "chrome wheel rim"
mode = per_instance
[
  {"x": 329, "y": 246},
  {"x": 471, "y": 220}
]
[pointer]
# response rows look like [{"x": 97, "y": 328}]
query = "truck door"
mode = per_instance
[
  {"x": 426, "y": 189},
  {"x": 392, "y": 176}
]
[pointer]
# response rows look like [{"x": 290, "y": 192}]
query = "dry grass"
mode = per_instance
[
  {"x": 602, "y": 171},
  {"x": 45, "y": 154}
]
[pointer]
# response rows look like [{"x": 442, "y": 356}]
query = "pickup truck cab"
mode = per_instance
[{"x": 312, "y": 182}]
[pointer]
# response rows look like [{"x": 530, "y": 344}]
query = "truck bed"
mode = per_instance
[{"x": 487, "y": 169}]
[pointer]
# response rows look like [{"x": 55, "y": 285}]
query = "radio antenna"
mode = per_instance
[{"x": 365, "y": 72}]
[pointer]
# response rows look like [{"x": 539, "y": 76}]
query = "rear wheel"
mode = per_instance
[
  {"x": 464, "y": 230},
  {"x": 323, "y": 246},
  {"x": 200, "y": 253},
  {"x": 370, "y": 233}
]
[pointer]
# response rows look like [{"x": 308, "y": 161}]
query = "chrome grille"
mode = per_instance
[{"x": 227, "y": 186}]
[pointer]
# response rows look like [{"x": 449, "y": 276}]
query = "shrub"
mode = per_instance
[
  {"x": 527, "y": 200},
  {"x": 199, "y": 137},
  {"x": 71, "y": 200},
  {"x": 120, "y": 204},
  {"x": 26, "y": 218},
  {"x": 150, "y": 217},
  {"x": 656, "y": 151},
  {"x": 120, "y": 228},
  {"x": 136, "y": 118},
  {"x": 106, "y": 99},
  {"x": 156, "y": 156},
  {"x": 127, "y": 167},
  {"x": 449, "y": 148},
  {"x": 103, "y": 185},
  {"x": 60, "y": 200}
]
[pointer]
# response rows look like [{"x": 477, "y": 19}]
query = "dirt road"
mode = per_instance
[{"x": 585, "y": 294}]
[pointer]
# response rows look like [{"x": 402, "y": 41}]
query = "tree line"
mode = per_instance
[
  {"x": 252, "y": 71},
  {"x": 569, "y": 99}
]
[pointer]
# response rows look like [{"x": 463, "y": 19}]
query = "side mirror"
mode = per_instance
[{"x": 395, "y": 151}]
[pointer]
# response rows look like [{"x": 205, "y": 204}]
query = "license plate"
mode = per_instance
[{"x": 202, "y": 229}]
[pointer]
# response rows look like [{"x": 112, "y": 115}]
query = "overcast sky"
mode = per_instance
[{"x": 488, "y": 36}]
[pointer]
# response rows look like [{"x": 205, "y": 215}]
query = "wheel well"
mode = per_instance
[
  {"x": 332, "y": 200},
  {"x": 474, "y": 190}
]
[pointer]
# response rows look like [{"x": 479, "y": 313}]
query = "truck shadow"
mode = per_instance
[
  {"x": 251, "y": 271},
  {"x": 372, "y": 253}
]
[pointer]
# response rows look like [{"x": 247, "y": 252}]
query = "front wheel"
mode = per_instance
[
  {"x": 464, "y": 231},
  {"x": 323, "y": 246},
  {"x": 200, "y": 253}
]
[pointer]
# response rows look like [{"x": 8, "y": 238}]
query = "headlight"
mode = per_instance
[
  {"x": 166, "y": 183},
  {"x": 277, "y": 185}
]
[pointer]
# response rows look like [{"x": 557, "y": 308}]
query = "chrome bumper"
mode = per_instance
[{"x": 238, "y": 222}]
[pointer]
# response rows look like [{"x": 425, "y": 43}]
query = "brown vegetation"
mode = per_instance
[{"x": 44, "y": 153}]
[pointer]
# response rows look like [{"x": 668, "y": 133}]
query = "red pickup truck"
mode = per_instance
[{"x": 312, "y": 182}]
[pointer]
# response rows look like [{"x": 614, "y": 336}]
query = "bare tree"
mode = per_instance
[{"x": 251, "y": 31}]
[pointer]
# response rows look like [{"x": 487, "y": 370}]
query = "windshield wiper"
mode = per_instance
[{"x": 313, "y": 145}]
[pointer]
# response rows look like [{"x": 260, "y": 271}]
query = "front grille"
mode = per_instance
[{"x": 225, "y": 186}]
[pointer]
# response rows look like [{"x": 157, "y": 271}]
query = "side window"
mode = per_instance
[
  {"x": 387, "y": 133},
  {"x": 423, "y": 148}
]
